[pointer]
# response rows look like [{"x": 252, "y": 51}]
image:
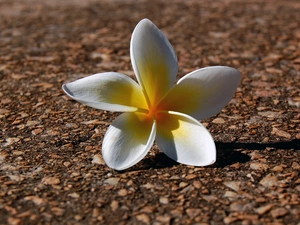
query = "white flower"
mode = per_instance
[{"x": 156, "y": 109}]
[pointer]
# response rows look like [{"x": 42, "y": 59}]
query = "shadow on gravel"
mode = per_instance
[
  {"x": 159, "y": 161},
  {"x": 227, "y": 155},
  {"x": 294, "y": 144}
]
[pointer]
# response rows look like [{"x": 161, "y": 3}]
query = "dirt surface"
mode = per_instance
[{"x": 51, "y": 168}]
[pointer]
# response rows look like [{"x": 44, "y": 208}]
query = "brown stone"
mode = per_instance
[
  {"x": 51, "y": 180},
  {"x": 278, "y": 212},
  {"x": 144, "y": 218},
  {"x": 269, "y": 181}
]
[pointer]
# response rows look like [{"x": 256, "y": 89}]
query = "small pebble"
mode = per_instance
[
  {"x": 234, "y": 185},
  {"x": 193, "y": 212},
  {"x": 112, "y": 181},
  {"x": 263, "y": 209},
  {"x": 269, "y": 181},
  {"x": 122, "y": 192},
  {"x": 114, "y": 205},
  {"x": 259, "y": 166},
  {"x": 51, "y": 180},
  {"x": 218, "y": 120},
  {"x": 164, "y": 200},
  {"x": 144, "y": 218},
  {"x": 278, "y": 212}
]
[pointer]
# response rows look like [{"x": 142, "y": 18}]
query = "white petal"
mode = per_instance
[
  {"x": 153, "y": 59},
  {"x": 107, "y": 91},
  {"x": 127, "y": 140},
  {"x": 184, "y": 139},
  {"x": 204, "y": 92}
]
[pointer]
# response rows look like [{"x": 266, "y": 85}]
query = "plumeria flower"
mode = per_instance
[{"x": 156, "y": 109}]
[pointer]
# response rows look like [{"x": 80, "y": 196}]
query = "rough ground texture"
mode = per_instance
[{"x": 51, "y": 169}]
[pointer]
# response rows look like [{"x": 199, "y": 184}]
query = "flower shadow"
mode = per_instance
[
  {"x": 160, "y": 161},
  {"x": 227, "y": 154},
  {"x": 230, "y": 153}
]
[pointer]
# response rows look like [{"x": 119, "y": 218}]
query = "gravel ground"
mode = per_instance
[{"x": 51, "y": 168}]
